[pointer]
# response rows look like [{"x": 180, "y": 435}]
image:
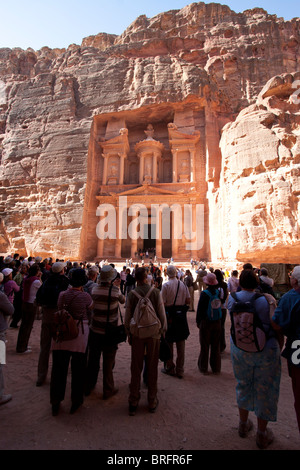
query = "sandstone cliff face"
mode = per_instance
[
  {"x": 260, "y": 176},
  {"x": 203, "y": 56}
]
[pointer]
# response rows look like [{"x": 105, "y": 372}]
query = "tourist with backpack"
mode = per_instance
[
  {"x": 287, "y": 319},
  {"x": 255, "y": 355},
  {"x": 176, "y": 299},
  {"x": 67, "y": 351},
  {"x": 208, "y": 319},
  {"x": 106, "y": 297},
  {"x": 266, "y": 283},
  {"x": 47, "y": 298},
  {"x": 145, "y": 323}
]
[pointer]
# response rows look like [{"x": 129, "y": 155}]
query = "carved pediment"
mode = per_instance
[
  {"x": 179, "y": 138},
  {"x": 147, "y": 189},
  {"x": 117, "y": 145}
]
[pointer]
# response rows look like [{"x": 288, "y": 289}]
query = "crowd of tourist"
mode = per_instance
[{"x": 94, "y": 292}]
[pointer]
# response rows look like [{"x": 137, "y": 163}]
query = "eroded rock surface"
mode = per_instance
[
  {"x": 260, "y": 176},
  {"x": 203, "y": 61}
]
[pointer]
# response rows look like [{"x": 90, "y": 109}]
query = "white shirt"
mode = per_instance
[
  {"x": 33, "y": 290},
  {"x": 169, "y": 289}
]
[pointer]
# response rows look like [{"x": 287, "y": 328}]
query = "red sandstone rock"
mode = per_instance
[
  {"x": 202, "y": 65},
  {"x": 260, "y": 177}
]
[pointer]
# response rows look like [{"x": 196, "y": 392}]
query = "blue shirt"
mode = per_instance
[
  {"x": 282, "y": 317},
  {"x": 282, "y": 314}
]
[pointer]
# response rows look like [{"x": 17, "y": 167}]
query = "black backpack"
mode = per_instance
[
  {"x": 247, "y": 330},
  {"x": 266, "y": 288}
]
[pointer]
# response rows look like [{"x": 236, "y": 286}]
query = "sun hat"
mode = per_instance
[
  {"x": 171, "y": 271},
  {"x": 108, "y": 273},
  {"x": 295, "y": 273},
  {"x": 94, "y": 269},
  {"x": 78, "y": 278},
  {"x": 58, "y": 266},
  {"x": 6, "y": 271},
  {"x": 210, "y": 279}
]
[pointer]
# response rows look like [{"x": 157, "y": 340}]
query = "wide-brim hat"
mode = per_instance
[
  {"x": 94, "y": 269},
  {"x": 108, "y": 273},
  {"x": 58, "y": 266},
  {"x": 78, "y": 278},
  {"x": 6, "y": 271},
  {"x": 210, "y": 279}
]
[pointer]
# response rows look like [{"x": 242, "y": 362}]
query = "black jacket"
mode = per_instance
[{"x": 49, "y": 291}]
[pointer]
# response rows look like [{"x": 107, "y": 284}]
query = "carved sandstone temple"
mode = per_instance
[
  {"x": 147, "y": 186},
  {"x": 179, "y": 135}
]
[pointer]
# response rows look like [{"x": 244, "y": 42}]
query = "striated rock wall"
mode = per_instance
[
  {"x": 203, "y": 57},
  {"x": 261, "y": 177}
]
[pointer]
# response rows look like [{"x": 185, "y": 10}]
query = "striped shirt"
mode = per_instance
[{"x": 100, "y": 296}]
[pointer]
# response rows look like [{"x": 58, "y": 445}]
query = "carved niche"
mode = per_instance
[
  {"x": 183, "y": 148},
  {"x": 115, "y": 151},
  {"x": 149, "y": 152}
]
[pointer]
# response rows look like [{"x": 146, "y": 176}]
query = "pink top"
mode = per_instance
[{"x": 10, "y": 287}]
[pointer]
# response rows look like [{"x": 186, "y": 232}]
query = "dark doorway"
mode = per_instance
[{"x": 149, "y": 242}]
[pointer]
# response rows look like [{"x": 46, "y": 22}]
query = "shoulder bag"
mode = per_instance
[
  {"x": 114, "y": 334},
  {"x": 178, "y": 328}
]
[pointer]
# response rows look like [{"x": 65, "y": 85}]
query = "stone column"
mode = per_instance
[
  {"x": 100, "y": 248},
  {"x": 154, "y": 168},
  {"x": 121, "y": 175},
  {"x": 194, "y": 227},
  {"x": 158, "y": 241},
  {"x": 193, "y": 168},
  {"x": 118, "y": 245},
  {"x": 133, "y": 247},
  {"x": 175, "y": 227},
  {"x": 141, "y": 174},
  {"x": 105, "y": 164},
  {"x": 175, "y": 176}
]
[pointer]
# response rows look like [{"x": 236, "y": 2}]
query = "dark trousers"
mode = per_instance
[
  {"x": 294, "y": 373},
  {"x": 96, "y": 347},
  {"x": 45, "y": 345},
  {"x": 28, "y": 316},
  {"x": 59, "y": 374},
  {"x": 45, "y": 342},
  {"x": 210, "y": 337},
  {"x": 140, "y": 347},
  {"x": 177, "y": 366},
  {"x": 17, "y": 315},
  {"x": 223, "y": 332}
]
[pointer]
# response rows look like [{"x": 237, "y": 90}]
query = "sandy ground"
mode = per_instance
[{"x": 196, "y": 413}]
